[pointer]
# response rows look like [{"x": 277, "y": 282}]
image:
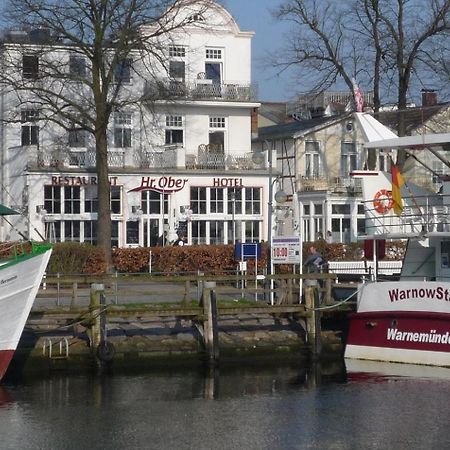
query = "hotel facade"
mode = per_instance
[{"x": 180, "y": 162}]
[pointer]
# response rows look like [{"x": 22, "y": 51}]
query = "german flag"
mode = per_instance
[{"x": 397, "y": 183}]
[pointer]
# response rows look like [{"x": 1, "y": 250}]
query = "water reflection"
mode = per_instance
[{"x": 261, "y": 406}]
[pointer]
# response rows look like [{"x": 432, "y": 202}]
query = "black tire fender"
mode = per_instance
[{"x": 106, "y": 351}]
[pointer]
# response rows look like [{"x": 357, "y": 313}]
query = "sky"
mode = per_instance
[{"x": 254, "y": 15}]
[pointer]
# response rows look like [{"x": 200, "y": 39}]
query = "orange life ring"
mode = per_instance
[{"x": 383, "y": 202}]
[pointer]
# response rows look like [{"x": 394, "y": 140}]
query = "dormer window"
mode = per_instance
[{"x": 196, "y": 18}]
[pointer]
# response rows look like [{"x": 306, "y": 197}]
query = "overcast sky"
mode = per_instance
[{"x": 254, "y": 15}]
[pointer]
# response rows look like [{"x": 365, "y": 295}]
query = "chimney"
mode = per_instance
[
  {"x": 429, "y": 97},
  {"x": 254, "y": 123}
]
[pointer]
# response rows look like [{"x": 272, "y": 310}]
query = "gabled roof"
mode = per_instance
[
  {"x": 289, "y": 130},
  {"x": 414, "y": 117},
  {"x": 274, "y": 111}
]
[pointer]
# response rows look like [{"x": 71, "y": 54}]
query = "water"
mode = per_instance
[{"x": 235, "y": 408}]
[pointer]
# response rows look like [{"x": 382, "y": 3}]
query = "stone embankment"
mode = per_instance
[
  {"x": 94, "y": 332},
  {"x": 63, "y": 340}
]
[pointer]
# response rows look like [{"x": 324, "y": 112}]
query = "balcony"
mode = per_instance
[
  {"x": 207, "y": 157},
  {"x": 75, "y": 159},
  {"x": 200, "y": 89},
  {"x": 343, "y": 185}
]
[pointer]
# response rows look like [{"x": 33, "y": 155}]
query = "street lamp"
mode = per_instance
[{"x": 280, "y": 197}]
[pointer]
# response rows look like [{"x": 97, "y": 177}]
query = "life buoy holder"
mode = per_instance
[{"x": 382, "y": 201}]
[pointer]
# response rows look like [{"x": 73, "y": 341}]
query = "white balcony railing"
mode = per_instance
[
  {"x": 201, "y": 89},
  {"x": 165, "y": 156}
]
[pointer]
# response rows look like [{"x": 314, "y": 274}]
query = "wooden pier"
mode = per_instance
[{"x": 85, "y": 321}]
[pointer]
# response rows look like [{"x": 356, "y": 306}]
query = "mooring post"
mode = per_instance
[
  {"x": 211, "y": 333},
  {"x": 313, "y": 322},
  {"x": 328, "y": 290},
  {"x": 97, "y": 290},
  {"x": 187, "y": 290}
]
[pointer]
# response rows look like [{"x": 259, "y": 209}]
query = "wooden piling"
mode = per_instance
[
  {"x": 74, "y": 299},
  {"x": 94, "y": 312},
  {"x": 210, "y": 327},
  {"x": 313, "y": 324}
]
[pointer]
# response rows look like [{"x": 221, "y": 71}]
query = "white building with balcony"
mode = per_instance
[{"x": 179, "y": 162}]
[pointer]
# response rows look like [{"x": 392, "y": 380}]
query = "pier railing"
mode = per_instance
[{"x": 72, "y": 290}]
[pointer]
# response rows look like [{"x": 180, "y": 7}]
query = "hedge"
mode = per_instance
[{"x": 72, "y": 257}]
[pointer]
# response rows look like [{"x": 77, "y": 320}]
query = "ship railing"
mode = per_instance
[{"x": 420, "y": 215}]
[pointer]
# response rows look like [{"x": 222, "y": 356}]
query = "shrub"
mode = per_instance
[
  {"x": 76, "y": 258},
  {"x": 72, "y": 257}
]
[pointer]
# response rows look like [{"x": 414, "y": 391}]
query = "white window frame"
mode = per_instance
[
  {"x": 217, "y": 122},
  {"x": 349, "y": 159},
  {"x": 177, "y": 51},
  {"x": 313, "y": 160},
  {"x": 174, "y": 122},
  {"x": 123, "y": 123}
]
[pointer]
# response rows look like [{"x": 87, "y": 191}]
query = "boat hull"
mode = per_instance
[
  {"x": 19, "y": 283},
  {"x": 414, "y": 337}
]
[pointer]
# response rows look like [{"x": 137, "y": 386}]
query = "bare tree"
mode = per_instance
[
  {"x": 384, "y": 43},
  {"x": 114, "y": 38}
]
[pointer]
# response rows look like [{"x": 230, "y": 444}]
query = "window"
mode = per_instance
[
  {"x": 30, "y": 67},
  {"x": 90, "y": 232},
  {"x": 177, "y": 51},
  {"x": 177, "y": 70},
  {"x": 216, "y": 201},
  {"x": 198, "y": 200},
  {"x": 122, "y": 130},
  {"x": 77, "y": 66},
  {"x": 132, "y": 232},
  {"x": 114, "y": 233},
  {"x": 115, "y": 200},
  {"x": 235, "y": 201},
  {"x": 52, "y": 199},
  {"x": 90, "y": 199},
  {"x": 151, "y": 202},
  {"x": 252, "y": 201},
  {"x": 252, "y": 228},
  {"x": 213, "y": 53},
  {"x": 77, "y": 138},
  {"x": 174, "y": 130},
  {"x": 318, "y": 209},
  {"x": 216, "y": 232},
  {"x": 199, "y": 232},
  {"x": 30, "y": 130},
  {"x": 217, "y": 122},
  {"x": 72, "y": 230},
  {"x": 312, "y": 159},
  {"x": 384, "y": 161},
  {"x": 72, "y": 199},
  {"x": 122, "y": 72},
  {"x": 348, "y": 158},
  {"x": 213, "y": 70},
  {"x": 340, "y": 209}
]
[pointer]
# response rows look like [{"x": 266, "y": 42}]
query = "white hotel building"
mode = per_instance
[{"x": 182, "y": 164}]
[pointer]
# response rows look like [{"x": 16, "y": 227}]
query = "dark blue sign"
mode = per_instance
[{"x": 247, "y": 250}]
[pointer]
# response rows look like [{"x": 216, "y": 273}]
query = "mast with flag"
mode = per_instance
[{"x": 359, "y": 99}]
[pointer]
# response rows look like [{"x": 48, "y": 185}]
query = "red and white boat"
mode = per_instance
[
  {"x": 20, "y": 277},
  {"x": 408, "y": 320}
]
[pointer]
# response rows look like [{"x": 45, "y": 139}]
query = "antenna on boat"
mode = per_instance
[{"x": 27, "y": 219}]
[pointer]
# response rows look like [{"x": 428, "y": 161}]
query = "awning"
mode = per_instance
[
  {"x": 417, "y": 142},
  {"x": 5, "y": 211},
  {"x": 372, "y": 129}
]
